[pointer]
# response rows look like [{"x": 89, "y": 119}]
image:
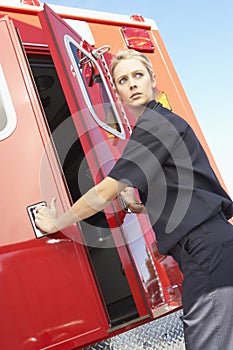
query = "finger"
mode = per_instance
[
  {"x": 39, "y": 216},
  {"x": 40, "y": 209},
  {"x": 52, "y": 204},
  {"x": 43, "y": 210},
  {"x": 37, "y": 222}
]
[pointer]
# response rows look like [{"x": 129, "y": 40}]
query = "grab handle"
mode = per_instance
[{"x": 31, "y": 212}]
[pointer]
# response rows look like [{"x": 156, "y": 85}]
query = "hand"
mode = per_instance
[
  {"x": 45, "y": 218},
  {"x": 133, "y": 205},
  {"x": 128, "y": 195}
]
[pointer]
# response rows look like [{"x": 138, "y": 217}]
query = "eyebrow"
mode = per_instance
[{"x": 124, "y": 75}]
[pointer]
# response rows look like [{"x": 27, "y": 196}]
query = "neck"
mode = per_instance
[{"x": 137, "y": 111}]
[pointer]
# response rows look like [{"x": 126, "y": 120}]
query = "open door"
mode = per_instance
[{"x": 154, "y": 281}]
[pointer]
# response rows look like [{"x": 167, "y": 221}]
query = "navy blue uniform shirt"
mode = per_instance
[{"x": 164, "y": 160}]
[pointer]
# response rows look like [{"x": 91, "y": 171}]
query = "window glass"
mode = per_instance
[
  {"x": 7, "y": 111},
  {"x": 3, "y": 118},
  {"x": 94, "y": 88}
]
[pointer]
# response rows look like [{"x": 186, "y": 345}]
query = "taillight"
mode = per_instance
[{"x": 137, "y": 39}]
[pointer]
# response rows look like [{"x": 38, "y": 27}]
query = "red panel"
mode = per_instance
[{"x": 48, "y": 297}]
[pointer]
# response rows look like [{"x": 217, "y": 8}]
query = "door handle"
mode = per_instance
[{"x": 31, "y": 212}]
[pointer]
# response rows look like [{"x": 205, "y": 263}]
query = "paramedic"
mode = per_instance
[{"x": 188, "y": 208}]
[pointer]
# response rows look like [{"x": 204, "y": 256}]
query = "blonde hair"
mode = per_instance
[{"x": 129, "y": 54}]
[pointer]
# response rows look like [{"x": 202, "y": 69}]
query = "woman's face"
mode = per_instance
[{"x": 134, "y": 83}]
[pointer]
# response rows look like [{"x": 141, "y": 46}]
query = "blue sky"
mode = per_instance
[{"x": 198, "y": 36}]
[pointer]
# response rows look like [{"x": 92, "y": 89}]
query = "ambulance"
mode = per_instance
[{"x": 101, "y": 283}]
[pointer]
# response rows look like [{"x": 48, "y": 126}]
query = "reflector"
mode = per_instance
[
  {"x": 31, "y": 2},
  {"x": 137, "y": 39},
  {"x": 137, "y": 18}
]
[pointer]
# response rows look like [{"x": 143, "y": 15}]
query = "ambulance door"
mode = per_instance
[
  {"x": 103, "y": 129},
  {"x": 96, "y": 124},
  {"x": 48, "y": 296}
]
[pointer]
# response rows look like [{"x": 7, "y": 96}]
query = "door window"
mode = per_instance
[
  {"x": 94, "y": 87},
  {"x": 7, "y": 111}
]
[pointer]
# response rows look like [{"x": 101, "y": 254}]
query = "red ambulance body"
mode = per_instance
[{"x": 61, "y": 130}]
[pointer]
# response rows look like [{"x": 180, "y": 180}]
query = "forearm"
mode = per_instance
[
  {"x": 95, "y": 200},
  {"x": 83, "y": 208},
  {"x": 89, "y": 204}
]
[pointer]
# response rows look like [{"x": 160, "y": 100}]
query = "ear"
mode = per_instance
[{"x": 153, "y": 81}]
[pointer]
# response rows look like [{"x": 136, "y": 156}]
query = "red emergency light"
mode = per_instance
[
  {"x": 137, "y": 39},
  {"x": 31, "y": 2}
]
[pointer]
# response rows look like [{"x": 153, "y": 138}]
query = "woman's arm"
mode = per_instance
[{"x": 96, "y": 199}]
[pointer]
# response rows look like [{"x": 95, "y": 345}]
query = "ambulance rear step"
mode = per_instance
[{"x": 164, "y": 333}]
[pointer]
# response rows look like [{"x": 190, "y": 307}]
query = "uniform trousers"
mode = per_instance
[{"x": 205, "y": 257}]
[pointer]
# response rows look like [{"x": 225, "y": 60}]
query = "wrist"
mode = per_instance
[{"x": 67, "y": 219}]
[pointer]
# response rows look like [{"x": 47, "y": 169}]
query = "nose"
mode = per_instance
[{"x": 132, "y": 83}]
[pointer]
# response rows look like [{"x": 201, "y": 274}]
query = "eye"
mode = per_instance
[
  {"x": 138, "y": 75},
  {"x": 121, "y": 81}
]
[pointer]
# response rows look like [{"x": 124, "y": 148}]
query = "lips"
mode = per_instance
[{"x": 137, "y": 94}]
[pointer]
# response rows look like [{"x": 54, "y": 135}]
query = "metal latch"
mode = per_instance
[{"x": 31, "y": 212}]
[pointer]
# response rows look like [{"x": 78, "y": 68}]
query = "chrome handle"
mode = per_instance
[{"x": 31, "y": 212}]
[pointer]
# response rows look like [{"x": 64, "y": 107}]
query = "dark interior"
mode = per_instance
[{"x": 105, "y": 262}]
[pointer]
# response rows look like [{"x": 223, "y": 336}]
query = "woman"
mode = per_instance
[{"x": 188, "y": 208}]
